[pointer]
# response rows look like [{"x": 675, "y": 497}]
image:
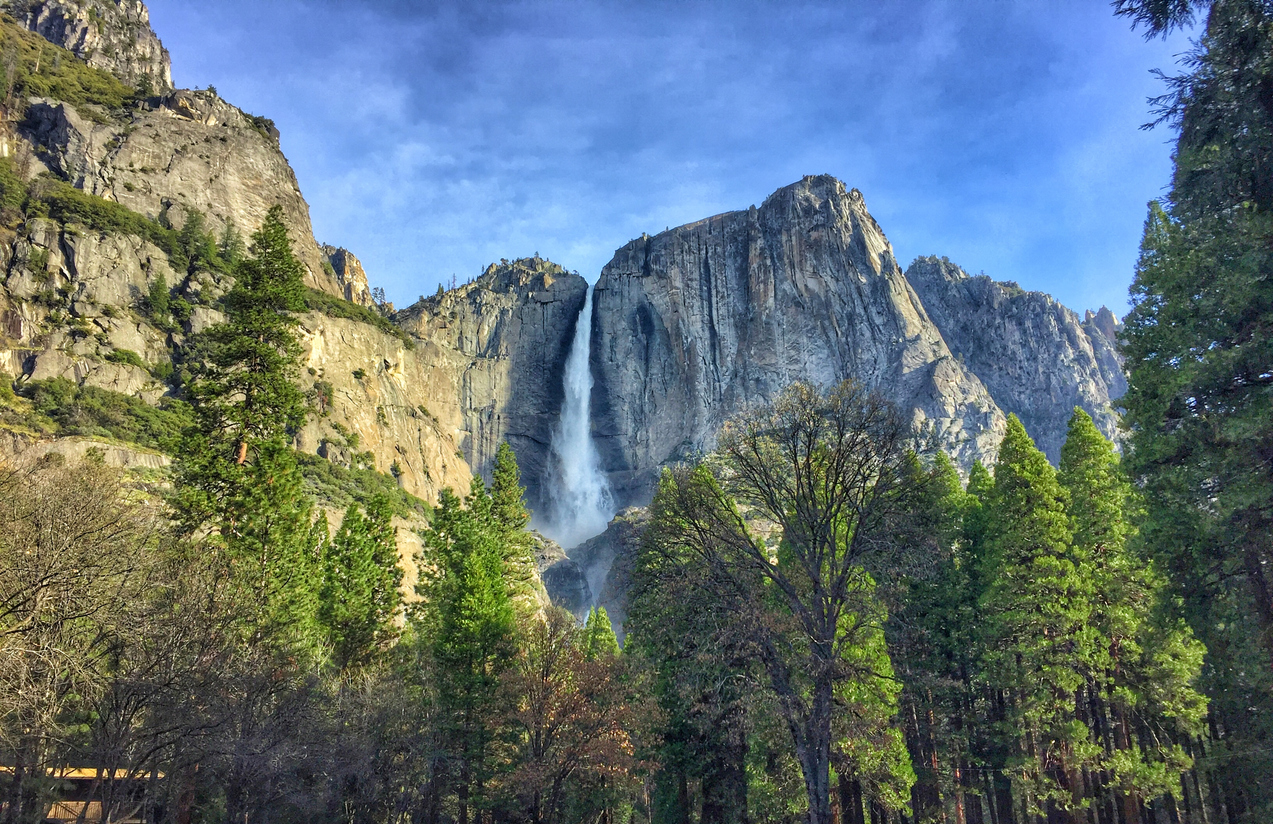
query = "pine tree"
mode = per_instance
[
  {"x": 510, "y": 517},
  {"x": 1145, "y": 673},
  {"x": 934, "y": 643},
  {"x": 358, "y": 598},
  {"x": 236, "y": 473},
  {"x": 470, "y": 621},
  {"x": 1198, "y": 407},
  {"x": 599, "y": 640},
  {"x": 1039, "y": 643}
]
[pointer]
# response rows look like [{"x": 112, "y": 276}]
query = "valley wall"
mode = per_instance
[{"x": 689, "y": 326}]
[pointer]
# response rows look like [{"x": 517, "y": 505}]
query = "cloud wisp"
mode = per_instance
[{"x": 433, "y": 138}]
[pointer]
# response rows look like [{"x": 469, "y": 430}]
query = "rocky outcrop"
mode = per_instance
[
  {"x": 70, "y": 295},
  {"x": 503, "y": 341},
  {"x": 563, "y": 580},
  {"x": 350, "y": 275},
  {"x": 113, "y": 35},
  {"x": 694, "y": 324},
  {"x": 187, "y": 150},
  {"x": 607, "y": 560},
  {"x": 1036, "y": 357}
]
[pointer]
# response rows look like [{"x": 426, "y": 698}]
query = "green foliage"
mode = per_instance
[
  {"x": 1039, "y": 641},
  {"x": 13, "y": 193},
  {"x": 59, "y": 406},
  {"x": 599, "y": 640},
  {"x": 340, "y": 487},
  {"x": 335, "y": 307},
  {"x": 1198, "y": 408},
  {"x": 471, "y": 622},
  {"x": 197, "y": 244},
  {"x": 66, "y": 204},
  {"x": 232, "y": 248},
  {"x": 127, "y": 357},
  {"x": 41, "y": 69},
  {"x": 191, "y": 248},
  {"x": 829, "y": 475},
  {"x": 157, "y": 301},
  {"x": 237, "y": 473},
  {"x": 358, "y": 599}
]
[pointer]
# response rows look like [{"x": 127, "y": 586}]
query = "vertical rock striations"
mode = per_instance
[
  {"x": 1035, "y": 356},
  {"x": 698, "y": 322},
  {"x": 503, "y": 340}
]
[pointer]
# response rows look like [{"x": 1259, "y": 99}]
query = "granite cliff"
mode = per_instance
[
  {"x": 75, "y": 292},
  {"x": 502, "y": 340},
  {"x": 688, "y": 326},
  {"x": 693, "y": 324},
  {"x": 1035, "y": 356},
  {"x": 113, "y": 35}
]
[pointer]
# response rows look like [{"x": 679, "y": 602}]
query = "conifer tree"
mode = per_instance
[
  {"x": 1199, "y": 405},
  {"x": 237, "y": 474},
  {"x": 1039, "y": 643},
  {"x": 358, "y": 598},
  {"x": 510, "y": 516},
  {"x": 469, "y": 621},
  {"x": 1145, "y": 673},
  {"x": 599, "y": 640},
  {"x": 934, "y": 639}
]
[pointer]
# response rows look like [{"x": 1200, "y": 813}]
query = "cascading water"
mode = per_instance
[{"x": 580, "y": 503}]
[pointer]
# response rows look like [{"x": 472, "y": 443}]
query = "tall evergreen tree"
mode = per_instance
[
  {"x": 1144, "y": 676},
  {"x": 1199, "y": 405},
  {"x": 475, "y": 568},
  {"x": 1039, "y": 642},
  {"x": 237, "y": 474},
  {"x": 358, "y": 598}
]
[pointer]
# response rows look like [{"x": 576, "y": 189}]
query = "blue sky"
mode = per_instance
[{"x": 433, "y": 138}]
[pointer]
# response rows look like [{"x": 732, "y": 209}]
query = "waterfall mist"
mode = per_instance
[{"x": 579, "y": 500}]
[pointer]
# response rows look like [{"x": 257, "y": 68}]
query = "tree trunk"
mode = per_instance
[
  {"x": 814, "y": 753},
  {"x": 850, "y": 801}
]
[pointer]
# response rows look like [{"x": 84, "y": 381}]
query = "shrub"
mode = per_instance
[
  {"x": 88, "y": 410},
  {"x": 157, "y": 300},
  {"x": 340, "y": 486},
  {"x": 335, "y": 307},
  {"x": 126, "y": 356},
  {"x": 60, "y": 74}
]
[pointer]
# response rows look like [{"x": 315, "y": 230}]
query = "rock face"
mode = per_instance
[
  {"x": 1035, "y": 356},
  {"x": 187, "y": 150},
  {"x": 563, "y": 580},
  {"x": 374, "y": 400},
  {"x": 694, "y": 324},
  {"x": 606, "y": 563},
  {"x": 349, "y": 275},
  {"x": 503, "y": 339},
  {"x": 113, "y": 35}
]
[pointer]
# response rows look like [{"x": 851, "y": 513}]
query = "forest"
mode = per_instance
[{"x": 828, "y": 622}]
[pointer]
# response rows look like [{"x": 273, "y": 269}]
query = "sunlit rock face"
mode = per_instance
[
  {"x": 695, "y": 324},
  {"x": 1037, "y": 358},
  {"x": 113, "y": 35}
]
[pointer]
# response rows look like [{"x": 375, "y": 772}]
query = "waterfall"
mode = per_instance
[{"x": 579, "y": 498}]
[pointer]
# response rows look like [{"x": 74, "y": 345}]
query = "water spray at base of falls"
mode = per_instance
[{"x": 580, "y": 503}]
